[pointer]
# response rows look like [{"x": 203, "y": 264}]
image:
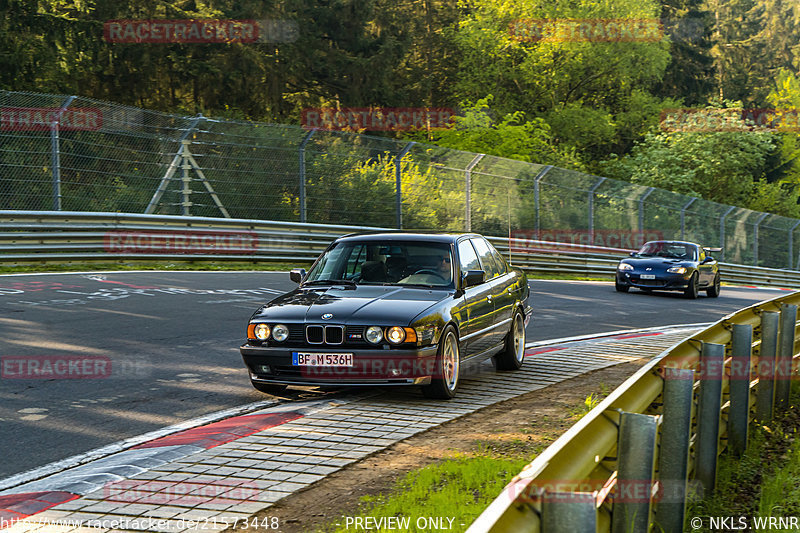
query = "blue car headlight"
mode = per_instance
[
  {"x": 677, "y": 270},
  {"x": 624, "y": 266}
]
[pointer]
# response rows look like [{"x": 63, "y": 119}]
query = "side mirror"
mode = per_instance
[
  {"x": 708, "y": 259},
  {"x": 632, "y": 254},
  {"x": 297, "y": 274},
  {"x": 473, "y": 277}
]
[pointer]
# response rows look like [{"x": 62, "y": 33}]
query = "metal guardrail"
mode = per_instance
[
  {"x": 62, "y": 236},
  {"x": 630, "y": 463}
]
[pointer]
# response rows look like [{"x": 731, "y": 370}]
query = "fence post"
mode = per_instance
[
  {"x": 591, "y": 208},
  {"x": 791, "y": 244},
  {"x": 673, "y": 455},
  {"x": 765, "y": 395},
  {"x": 536, "y": 193},
  {"x": 55, "y": 153},
  {"x": 398, "y": 183},
  {"x": 755, "y": 237},
  {"x": 162, "y": 186},
  {"x": 739, "y": 412},
  {"x": 641, "y": 207},
  {"x": 683, "y": 217},
  {"x": 712, "y": 365},
  {"x": 635, "y": 457},
  {"x": 302, "y": 172},
  {"x": 468, "y": 191},
  {"x": 722, "y": 230},
  {"x": 568, "y": 512},
  {"x": 783, "y": 370}
]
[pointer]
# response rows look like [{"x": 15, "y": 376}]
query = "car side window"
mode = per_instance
[
  {"x": 502, "y": 267},
  {"x": 485, "y": 255},
  {"x": 467, "y": 257}
]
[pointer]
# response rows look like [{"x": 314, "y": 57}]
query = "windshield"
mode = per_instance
[
  {"x": 385, "y": 263},
  {"x": 670, "y": 250}
]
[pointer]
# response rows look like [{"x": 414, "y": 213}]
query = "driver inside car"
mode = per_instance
[{"x": 444, "y": 268}]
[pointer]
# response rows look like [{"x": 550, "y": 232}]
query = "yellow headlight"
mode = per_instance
[
  {"x": 262, "y": 332},
  {"x": 395, "y": 334}
]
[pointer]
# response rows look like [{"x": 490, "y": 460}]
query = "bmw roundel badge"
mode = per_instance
[{"x": 327, "y": 316}]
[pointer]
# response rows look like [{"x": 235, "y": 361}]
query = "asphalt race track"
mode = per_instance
[{"x": 164, "y": 347}]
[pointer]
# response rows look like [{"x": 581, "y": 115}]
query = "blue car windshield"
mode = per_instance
[
  {"x": 390, "y": 262},
  {"x": 670, "y": 250}
]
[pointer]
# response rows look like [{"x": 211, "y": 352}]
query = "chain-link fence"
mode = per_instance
[{"x": 77, "y": 154}]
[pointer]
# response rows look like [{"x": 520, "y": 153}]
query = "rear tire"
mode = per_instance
[
  {"x": 691, "y": 290},
  {"x": 713, "y": 290},
  {"x": 620, "y": 287},
  {"x": 513, "y": 354},
  {"x": 448, "y": 368}
]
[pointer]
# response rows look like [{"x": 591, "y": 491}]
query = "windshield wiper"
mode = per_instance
[{"x": 348, "y": 282}]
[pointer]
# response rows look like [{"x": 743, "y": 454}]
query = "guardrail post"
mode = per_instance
[
  {"x": 765, "y": 395},
  {"x": 568, "y": 512},
  {"x": 673, "y": 455},
  {"x": 712, "y": 365},
  {"x": 739, "y": 412},
  {"x": 783, "y": 370},
  {"x": 635, "y": 459}
]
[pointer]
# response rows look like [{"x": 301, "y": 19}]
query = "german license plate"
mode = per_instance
[
  {"x": 322, "y": 359},
  {"x": 648, "y": 276}
]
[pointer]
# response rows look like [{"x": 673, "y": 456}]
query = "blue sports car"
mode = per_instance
[{"x": 670, "y": 266}]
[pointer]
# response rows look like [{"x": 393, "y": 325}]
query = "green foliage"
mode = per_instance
[
  {"x": 721, "y": 166},
  {"x": 458, "y": 488}
]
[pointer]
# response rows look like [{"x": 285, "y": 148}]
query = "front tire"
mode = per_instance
[
  {"x": 620, "y": 287},
  {"x": 691, "y": 290},
  {"x": 448, "y": 367},
  {"x": 513, "y": 354},
  {"x": 713, "y": 290}
]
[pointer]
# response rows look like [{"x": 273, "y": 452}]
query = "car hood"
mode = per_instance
[
  {"x": 656, "y": 263},
  {"x": 379, "y": 305}
]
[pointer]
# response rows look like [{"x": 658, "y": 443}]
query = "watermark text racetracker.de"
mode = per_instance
[
  {"x": 195, "y": 242},
  {"x": 712, "y": 120},
  {"x": 191, "y": 31},
  {"x": 57, "y": 367},
  {"x": 587, "y": 30},
  {"x": 377, "y": 118}
]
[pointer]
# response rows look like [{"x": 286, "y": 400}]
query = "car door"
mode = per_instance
[
  {"x": 705, "y": 271},
  {"x": 499, "y": 298},
  {"x": 504, "y": 291},
  {"x": 477, "y": 311}
]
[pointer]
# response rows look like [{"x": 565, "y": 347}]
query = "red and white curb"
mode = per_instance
[{"x": 210, "y": 476}]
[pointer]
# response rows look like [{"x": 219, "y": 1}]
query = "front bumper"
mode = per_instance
[
  {"x": 371, "y": 366},
  {"x": 663, "y": 281}
]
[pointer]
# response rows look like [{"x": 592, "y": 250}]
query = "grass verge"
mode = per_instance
[
  {"x": 451, "y": 494},
  {"x": 457, "y": 489}
]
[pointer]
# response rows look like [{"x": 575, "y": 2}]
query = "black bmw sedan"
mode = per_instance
[
  {"x": 670, "y": 266},
  {"x": 392, "y": 309}
]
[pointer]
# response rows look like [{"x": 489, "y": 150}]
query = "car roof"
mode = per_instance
[
  {"x": 406, "y": 236},
  {"x": 674, "y": 242}
]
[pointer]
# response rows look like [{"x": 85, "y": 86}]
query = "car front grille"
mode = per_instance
[{"x": 301, "y": 335}]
